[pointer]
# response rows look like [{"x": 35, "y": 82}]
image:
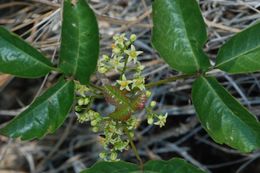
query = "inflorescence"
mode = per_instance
[{"x": 128, "y": 95}]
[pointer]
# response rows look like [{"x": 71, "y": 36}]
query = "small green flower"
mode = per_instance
[
  {"x": 116, "y": 50},
  {"x": 83, "y": 101},
  {"x": 78, "y": 108},
  {"x": 103, "y": 155},
  {"x": 132, "y": 123},
  {"x": 132, "y": 53},
  {"x": 138, "y": 83},
  {"x": 105, "y": 58},
  {"x": 120, "y": 39},
  {"x": 121, "y": 145},
  {"x": 81, "y": 89},
  {"x": 116, "y": 63},
  {"x": 82, "y": 117},
  {"x": 113, "y": 156},
  {"x": 140, "y": 68},
  {"x": 124, "y": 83},
  {"x": 161, "y": 120},
  {"x": 102, "y": 68}
]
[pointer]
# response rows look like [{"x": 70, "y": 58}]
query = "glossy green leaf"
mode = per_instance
[
  {"x": 171, "y": 166},
  {"x": 241, "y": 54},
  {"x": 112, "y": 167},
  {"x": 44, "y": 115},
  {"x": 179, "y": 34},
  {"x": 18, "y": 58},
  {"x": 80, "y": 40},
  {"x": 223, "y": 117},
  {"x": 155, "y": 166}
]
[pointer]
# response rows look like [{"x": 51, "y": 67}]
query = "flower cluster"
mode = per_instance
[
  {"x": 161, "y": 119},
  {"x": 115, "y": 138},
  {"x": 113, "y": 135},
  {"x": 124, "y": 58},
  {"x": 128, "y": 95},
  {"x": 83, "y": 99}
]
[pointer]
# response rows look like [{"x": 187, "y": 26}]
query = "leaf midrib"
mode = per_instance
[
  {"x": 30, "y": 56},
  {"x": 243, "y": 53},
  {"x": 187, "y": 37},
  {"x": 77, "y": 42},
  {"x": 46, "y": 99}
]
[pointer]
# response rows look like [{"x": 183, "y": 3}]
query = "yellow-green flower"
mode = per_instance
[
  {"x": 102, "y": 69},
  {"x": 139, "y": 83},
  {"x": 103, "y": 155},
  {"x": 116, "y": 50},
  {"x": 116, "y": 63},
  {"x": 120, "y": 39},
  {"x": 161, "y": 120},
  {"x": 132, "y": 53},
  {"x": 81, "y": 89},
  {"x": 113, "y": 156},
  {"x": 124, "y": 83},
  {"x": 140, "y": 67},
  {"x": 105, "y": 58}
]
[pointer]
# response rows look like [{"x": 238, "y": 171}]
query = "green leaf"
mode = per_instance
[
  {"x": 155, "y": 166},
  {"x": 18, "y": 58},
  {"x": 223, "y": 117},
  {"x": 241, "y": 54},
  {"x": 80, "y": 40},
  {"x": 179, "y": 36},
  {"x": 172, "y": 166},
  {"x": 44, "y": 115},
  {"x": 112, "y": 167}
]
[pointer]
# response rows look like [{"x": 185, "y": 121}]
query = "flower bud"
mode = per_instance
[
  {"x": 86, "y": 101},
  {"x": 105, "y": 58},
  {"x": 133, "y": 37},
  {"x": 150, "y": 120},
  {"x": 103, "y": 155},
  {"x": 78, "y": 108},
  {"x": 102, "y": 69},
  {"x": 148, "y": 93},
  {"x": 94, "y": 122},
  {"x": 95, "y": 129},
  {"x": 113, "y": 156},
  {"x": 153, "y": 104},
  {"x": 81, "y": 102}
]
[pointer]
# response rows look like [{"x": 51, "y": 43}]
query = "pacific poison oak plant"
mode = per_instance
[{"x": 179, "y": 37}]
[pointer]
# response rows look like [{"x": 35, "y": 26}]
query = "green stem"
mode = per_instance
[
  {"x": 134, "y": 149},
  {"x": 170, "y": 79},
  {"x": 124, "y": 69}
]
